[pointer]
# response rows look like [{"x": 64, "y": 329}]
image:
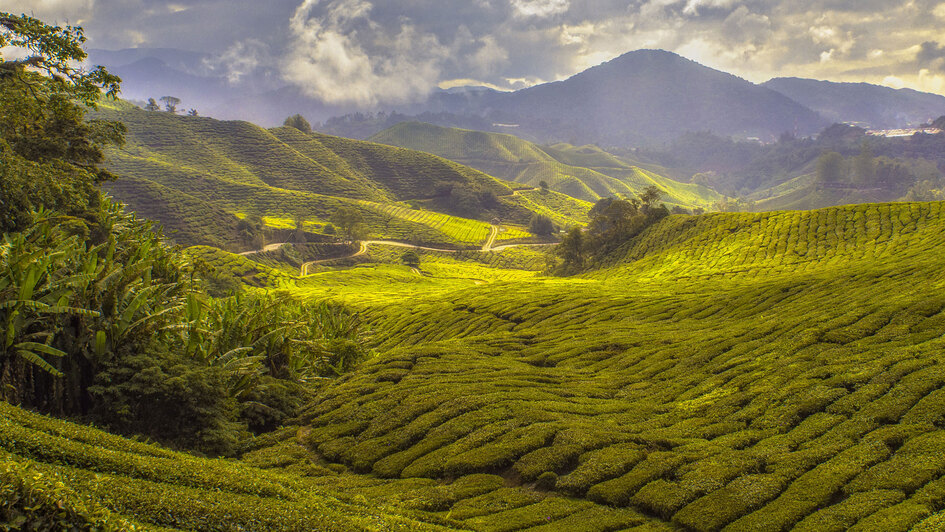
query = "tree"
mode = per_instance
[
  {"x": 543, "y": 185},
  {"x": 541, "y": 225},
  {"x": 170, "y": 103},
  {"x": 864, "y": 166},
  {"x": 350, "y": 221},
  {"x": 830, "y": 167},
  {"x": 152, "y": 105},
  {"x": 571, "y": 250},
  {"x": 299, "y": 234},
  {"x": 650, "y": 196},
  {"x": 298, "y": 122},
  {"x": 411, "y": 258},
  {"x": 49, "y": 152},
  {"x": 192, "y": 112}
]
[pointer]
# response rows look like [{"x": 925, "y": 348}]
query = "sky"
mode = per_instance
[{"x": 371, "y": 52}]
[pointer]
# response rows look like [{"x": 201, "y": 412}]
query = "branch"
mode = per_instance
[
  {"x": 8, "y": 23},
  {"x": 36, "y": 61}
]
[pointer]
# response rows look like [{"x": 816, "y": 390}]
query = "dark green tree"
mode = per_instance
[
  {"x": 350, "y": 221},
  {"x": 152, "y": 105},
  {"x": 864, "y": 166},
  {"x": 411, "y": 258},
  {"x": 50, "y": 153},
  {"x": 298, "y": 122},
  {"x": 541, "y": 225},
  {"x": 830, "y": 167},
  {"x": 543, "y": 185},
  {"x": 572, "y": 250}
]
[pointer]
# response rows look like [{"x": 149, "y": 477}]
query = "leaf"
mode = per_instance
[
  {"x": 101, "y": 340},
  {"x": 42, "y": 348},
  {"x": 38, "y": 361}
]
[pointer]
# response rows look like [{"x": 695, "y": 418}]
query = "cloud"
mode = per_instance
[
  {"x": 540, "y": 8},
  {"x": 371, "y": 52},
  {"x": 931, "y": 56},
  {"x": 240, "y": 60},
  {"x": 340, "y": 55}
]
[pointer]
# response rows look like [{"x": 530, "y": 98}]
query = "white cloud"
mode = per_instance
[
  {"x": 540, "y": 8},
  {"x": 693, "y": 6},
  {"x": 240, "y": 59},
  {"x": 343, "y": 56}
]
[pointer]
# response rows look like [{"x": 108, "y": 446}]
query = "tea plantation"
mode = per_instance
[
  {"x": 731, "y": 371},
  {"x": 773, "y": 371}
]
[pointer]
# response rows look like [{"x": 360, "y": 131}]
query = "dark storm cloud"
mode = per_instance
[
  {"x": 931, "y": 56},
  {"x": 370, "y": 51}
]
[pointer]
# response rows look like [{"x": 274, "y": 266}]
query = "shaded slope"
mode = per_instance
[
  {"x": 869, "y": 105},
  {"x": 284, "y": 173},
  {"x": 586, "y": 173},
  {"x": 186, "y": 219},
  {"x": 756, "y": 371}
]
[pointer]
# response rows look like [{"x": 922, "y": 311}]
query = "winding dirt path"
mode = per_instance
[{"x": 492, "y": 236}]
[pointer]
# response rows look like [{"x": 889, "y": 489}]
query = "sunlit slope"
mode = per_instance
[
  {"x": 732, "y": 371},
  {"x": 587, "y": 173}
]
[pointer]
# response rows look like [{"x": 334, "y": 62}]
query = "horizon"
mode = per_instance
[{"x": 361, "y": 53}]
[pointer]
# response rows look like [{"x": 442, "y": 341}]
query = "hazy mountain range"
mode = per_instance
[{"x": 642, "y": 97}]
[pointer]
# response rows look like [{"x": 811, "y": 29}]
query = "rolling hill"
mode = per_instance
[
  {"x": 730, "y": 371},
  {"x": 868, "y": 105},
  {"x": 767, "y": 371},
  {"x": 586, "y": 173},
  {"x": 211, "y": 172}
]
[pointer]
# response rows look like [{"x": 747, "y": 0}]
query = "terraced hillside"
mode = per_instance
[
  {"x": 730, "y": 371},
  {"x": 210, "y": 171},
  {"x": 586, "y": 173}
]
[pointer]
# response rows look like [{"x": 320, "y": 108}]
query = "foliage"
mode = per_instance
[
  {"x": 541, "y": 225},
  {"x": 350, "y": 222},
  {"x": 411, "y": 258},
  {"x": 50, "y": 153},
  {"x": 298, "y": 122},
  {"x": 170, "y": 103},
  {"x": 830, "y": 167}
]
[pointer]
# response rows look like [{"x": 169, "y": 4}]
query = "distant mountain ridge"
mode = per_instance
[
  {"x": 639, "y": 98},
  {"x": 865, "y": 104},
  {"x": 657, "y": 95}
]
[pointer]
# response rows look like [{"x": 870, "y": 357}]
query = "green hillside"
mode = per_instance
[
  {"x": 586, "y": 172},
  {"x": 212, "y": 171},
  {"x": 730, "y": 371},
  {"x": 738, "y": 371}
]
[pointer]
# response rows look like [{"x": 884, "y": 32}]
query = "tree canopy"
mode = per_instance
[{"x": 50, "y": 152}]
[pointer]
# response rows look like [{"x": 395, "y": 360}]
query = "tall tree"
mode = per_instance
[
  {"x": 50, "y": 153},
  {"x": 350, "y": 221},
  {"x": 170, "y": 103}
]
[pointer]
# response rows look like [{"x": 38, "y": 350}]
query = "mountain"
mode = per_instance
[
  {"x": 583, "y": 172},
  {"x": 650, "y": 95},
  {"x": 867, "y": 105}
]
